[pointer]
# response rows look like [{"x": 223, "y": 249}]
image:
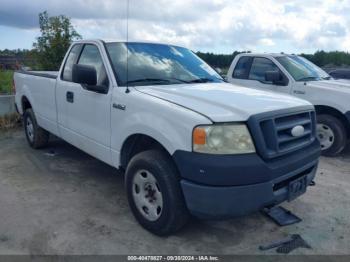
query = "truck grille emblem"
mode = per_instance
[{"x": 297, "y": 131}]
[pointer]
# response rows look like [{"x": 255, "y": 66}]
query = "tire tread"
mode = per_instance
[
  {"x": 339, "y": 133},
  {"x": 41, "y": 136}
]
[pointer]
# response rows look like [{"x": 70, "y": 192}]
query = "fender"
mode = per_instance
[
  {"x": 162, "y": 130},
  {"x": 21, "y": 92},
  {"x": 26, "y": 94}
]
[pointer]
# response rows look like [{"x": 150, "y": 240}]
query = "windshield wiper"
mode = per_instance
[
  {"x": 170, "y": 80},
  {"x": 309, "y": 78},
  {"x": 148, "y": 80},
  {"x": 201, "y": 80},
  {"x": 327, "y": 78},
  {"x": 162, "y": 80},
  {"x": 207, "y": 80},
  {"x": 180, "y": 80}
]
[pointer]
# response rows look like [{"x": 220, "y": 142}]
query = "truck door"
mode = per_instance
[
  {"x": 250, "y": 72},
  {"x": 84, "y": 116}
]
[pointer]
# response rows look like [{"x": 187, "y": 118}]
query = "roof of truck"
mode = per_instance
[
  {"x": 124, "y": 41},
  {"x": 266, "y": 54}
]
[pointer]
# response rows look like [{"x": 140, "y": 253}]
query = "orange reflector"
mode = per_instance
[{"x": 199, "y": 136}]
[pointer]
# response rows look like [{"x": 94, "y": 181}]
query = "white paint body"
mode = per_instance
[
  {"x": 331, "y": 93},
  {"x": 168, "y": 114}
]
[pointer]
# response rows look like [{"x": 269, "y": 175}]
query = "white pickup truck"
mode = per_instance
[
  {"x": 295, "y": 75},
  {"x": 189, "y": 143}
]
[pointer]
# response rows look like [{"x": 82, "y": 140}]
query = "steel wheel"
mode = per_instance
[
  {"x": 30, "y": 129},
  {"x": 147, "y": 195},
  {"x": 325, "y": 135},
  {"x": 154, "y": 192}
]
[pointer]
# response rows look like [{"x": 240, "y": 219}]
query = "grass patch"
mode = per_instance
[
  {"x": 10, "y": 121},
  {"x": 6, "y": 82}
]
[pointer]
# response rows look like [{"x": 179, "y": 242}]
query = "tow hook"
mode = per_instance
[{"x": 312, "y": 183}]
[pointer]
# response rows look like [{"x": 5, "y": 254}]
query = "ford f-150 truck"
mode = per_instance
[
  {"x": 295, "y": 75},
  {"x": 189, "y": 143}
]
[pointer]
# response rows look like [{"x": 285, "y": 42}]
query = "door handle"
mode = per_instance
[{"x": 70, "y": 97}]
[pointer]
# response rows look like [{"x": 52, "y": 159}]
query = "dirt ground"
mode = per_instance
[{"x": 61, "y": 201}]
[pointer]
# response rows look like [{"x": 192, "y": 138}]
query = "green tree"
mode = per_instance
[
  {"x": 57, "y": 33},
  {"x": 219, "y": 60}
]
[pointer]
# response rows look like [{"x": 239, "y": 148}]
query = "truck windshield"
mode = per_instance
[
  {"x": 302, "y": 69},
  {"x": 140, "y": 64}
]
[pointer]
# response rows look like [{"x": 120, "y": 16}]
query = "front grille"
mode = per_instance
[{"x": 275, "y": 132}]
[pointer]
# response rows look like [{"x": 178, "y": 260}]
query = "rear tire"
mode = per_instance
[
  {"x": 331, "y": 134},
  {"x": 37, "y": 137},
  {"x": 154, "y": 193}
]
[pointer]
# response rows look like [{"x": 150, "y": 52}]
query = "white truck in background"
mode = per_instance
[
  {"x": 189, "y": 142},
  {"x": 297, "y": 76}
]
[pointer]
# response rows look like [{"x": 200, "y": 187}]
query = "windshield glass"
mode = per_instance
[
  {"x": 302, "y": 69},
  {"x": 158, "y": 64}
]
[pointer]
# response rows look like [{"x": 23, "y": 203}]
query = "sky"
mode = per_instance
[{"x": 219, "y": 26}]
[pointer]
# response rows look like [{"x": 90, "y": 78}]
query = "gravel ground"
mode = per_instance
[{"x": 61, "y": 201}]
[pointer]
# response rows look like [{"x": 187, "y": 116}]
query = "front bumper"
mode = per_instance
[{"x": 218, "y": 187}]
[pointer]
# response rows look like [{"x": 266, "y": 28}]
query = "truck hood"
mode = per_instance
[
  {"x": 222, "y": 102},
  {"x": 332, "y": 85},
  {"x": 346, "y": 81}
]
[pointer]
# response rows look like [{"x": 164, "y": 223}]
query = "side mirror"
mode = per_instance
[
  {"x": 84, "y": 74},
  {"x": 87, "y": 77},
  {"x": 275, "y": 77}
]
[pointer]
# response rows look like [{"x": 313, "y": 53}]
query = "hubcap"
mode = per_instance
[
  {"x": 147, "y": 195},
  {"x": 325, "y": 135},
  {"x": 30, "y": 129}
]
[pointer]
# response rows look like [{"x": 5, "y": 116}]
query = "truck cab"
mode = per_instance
[{"x": 294, "y": 75}]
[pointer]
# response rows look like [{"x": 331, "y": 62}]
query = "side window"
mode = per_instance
[
  {"x": 71, "y": 59},
  {"x": 259, "y": 67},
  {"x": 91, "y": 56},
  {"x": 242, "y": 68}
]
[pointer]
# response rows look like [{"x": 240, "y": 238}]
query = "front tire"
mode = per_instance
[
  {"x": 154, "y": 193},
  {"x": 36, "y": 136},
  {"x": 331, "y": 134}
]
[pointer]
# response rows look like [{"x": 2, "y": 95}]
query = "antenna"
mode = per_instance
[{"x": 127, "y": 90}]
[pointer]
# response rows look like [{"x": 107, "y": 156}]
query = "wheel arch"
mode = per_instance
[
  {"x": 25, "y": 103},
  {"x": 137, "y": 143},
  {"x": 327, "y": 110}
]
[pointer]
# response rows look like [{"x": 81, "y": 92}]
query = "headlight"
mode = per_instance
[{"x": 223, "y": 139}]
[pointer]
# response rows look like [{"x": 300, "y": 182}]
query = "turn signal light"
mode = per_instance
[{"x": 199, "y": 136}]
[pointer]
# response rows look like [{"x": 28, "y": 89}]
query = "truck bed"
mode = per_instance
[
  {"x": 48, "y": 74},
  {"x": 39, "y": 88}
]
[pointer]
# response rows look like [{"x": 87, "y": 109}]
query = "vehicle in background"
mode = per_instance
[
  {"x": 295, "y": 75},
  {"x": 189, "y": 142},
  {"x": 340, "y": 74}
]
